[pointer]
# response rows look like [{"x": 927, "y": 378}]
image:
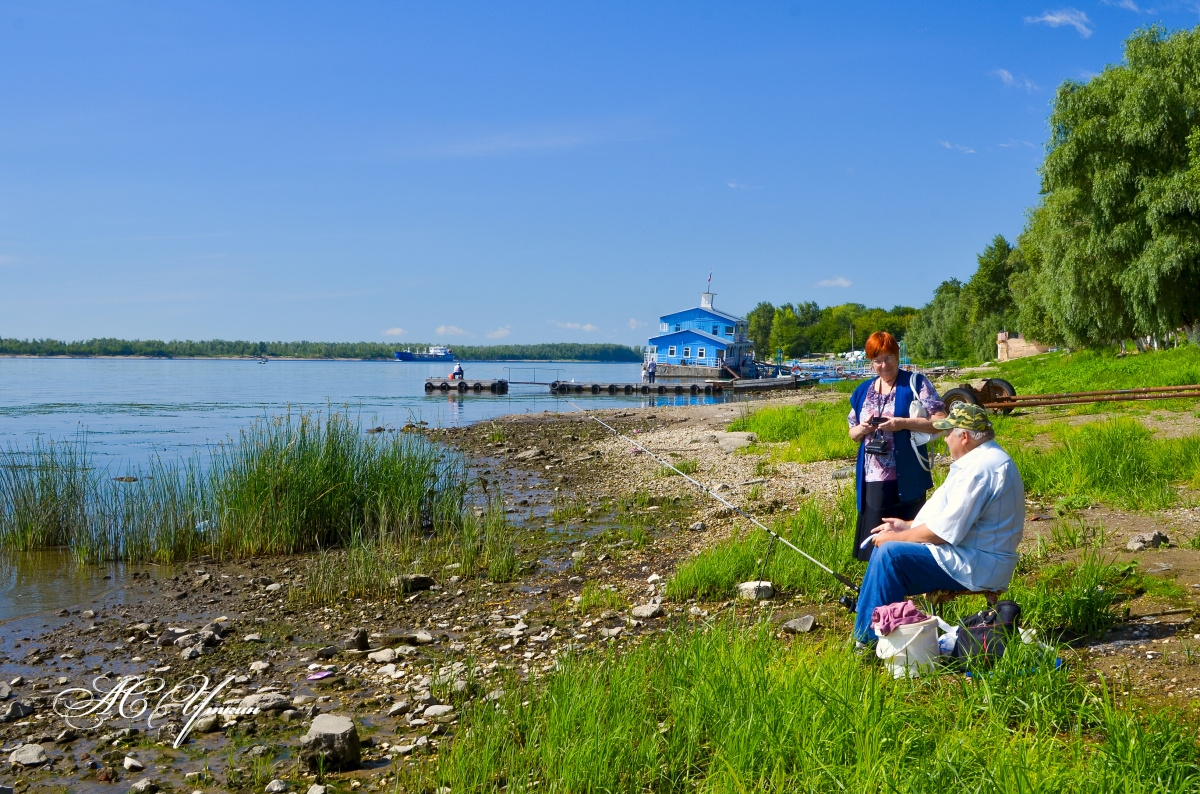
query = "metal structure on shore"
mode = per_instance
[{"x": 999, "y": 395}]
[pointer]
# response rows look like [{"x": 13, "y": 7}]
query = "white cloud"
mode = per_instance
[
  {"x": 733, "y": 183},
  {"x": 397, "y": 331},
  {"x": 574, "y": 326},
  {"x": 1014, "y": 144},
  {"x": 1071, "y": 17},
  {"x": 1007, "y": 78},
  {"x": 450, "y": 330},
  {"x": 499, "y": 333},
  {"x": 635, "y": 324},
  {"x": 840, "y": 281},
  {"x": 1128, "y": 5},
  {"x": 956, "y": 146}
]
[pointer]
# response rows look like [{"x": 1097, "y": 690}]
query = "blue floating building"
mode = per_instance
[{"x": 701, "y": 343}]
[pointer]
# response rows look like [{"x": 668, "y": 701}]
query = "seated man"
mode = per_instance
[{"x": 966, "y": 535}]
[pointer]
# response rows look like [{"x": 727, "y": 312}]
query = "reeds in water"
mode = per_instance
[{"x": 287, "y": 484}]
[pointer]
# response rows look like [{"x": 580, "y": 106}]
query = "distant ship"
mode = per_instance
[{"x": 435, "y": 353}]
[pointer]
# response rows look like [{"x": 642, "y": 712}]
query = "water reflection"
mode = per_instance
[{"x": 37, "y": 582}]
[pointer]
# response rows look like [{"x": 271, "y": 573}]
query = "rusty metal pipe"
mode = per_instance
[
  {"x": 1139, "y": 390},
  {"x": 1034, "y": 403}
]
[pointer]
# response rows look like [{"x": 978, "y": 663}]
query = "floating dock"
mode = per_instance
[
  {"x": 562, "y": 387},
  {"x": 683, "y": 387},
  {"x": 466, "y": 385}
]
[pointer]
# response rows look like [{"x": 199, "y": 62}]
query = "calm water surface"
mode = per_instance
[{"x": 132, "y": 409}]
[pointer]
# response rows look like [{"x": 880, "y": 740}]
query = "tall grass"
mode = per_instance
[
  {"x": 1117, "y": 461},
  {"x": 826, "y": 532},
  {"x": 288, "y": 484},
  {"x": 733, "y": 710},
  {"x": 815, "y": 431}
]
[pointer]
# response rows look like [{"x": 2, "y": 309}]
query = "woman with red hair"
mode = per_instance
[{"x": 891, "y": 418}]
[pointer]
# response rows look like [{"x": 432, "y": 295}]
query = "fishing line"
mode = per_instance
[{"x": 775, "y": 536}]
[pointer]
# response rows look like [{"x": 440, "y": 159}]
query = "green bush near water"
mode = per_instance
[
  {"x": 289, "y": 484},
  {"x": 728, "y": 709}
]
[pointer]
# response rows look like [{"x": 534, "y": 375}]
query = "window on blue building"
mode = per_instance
[
  {"x": 716, "y": 330},
  {"x": 678, "y": 327},
  {"x": 728, "y": 330},
  {"x": 700, "y": 352},
  {"x": 671, "y": 350},
  {"x": 687, "y": 351}
]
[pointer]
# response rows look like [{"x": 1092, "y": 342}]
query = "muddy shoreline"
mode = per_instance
[{"x": 568, "y": 486}]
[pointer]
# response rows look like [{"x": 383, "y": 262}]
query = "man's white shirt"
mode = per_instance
[{"x": 980, "y": 512}]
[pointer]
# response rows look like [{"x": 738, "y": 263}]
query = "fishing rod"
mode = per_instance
[{"x": 845, "y": 600}]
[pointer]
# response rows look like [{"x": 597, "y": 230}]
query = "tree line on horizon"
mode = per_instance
[
  {"x": 219, "y": 348},
  {"x": 1109, "y": 255}
]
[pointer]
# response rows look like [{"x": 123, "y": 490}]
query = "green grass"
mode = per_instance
[
  {"x": 729, "y": 709},
  {"x": 594, "y": 598},
  {"x": 1089, "y": 370},
  {"x": 685, "y": 466},
  {"x": 287, "y": 484},
  {"x": 825, "y": 532},
  {"x": 1118, "y": 461},
  {"x": 814, "y": 431},
  {"x": 369, "y": 568}
]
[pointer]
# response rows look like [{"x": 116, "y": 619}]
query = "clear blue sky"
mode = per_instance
[{"x": 518, "y": 172}]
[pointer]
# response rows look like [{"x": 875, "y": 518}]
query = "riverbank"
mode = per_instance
[{"x": 599, "y": 532}]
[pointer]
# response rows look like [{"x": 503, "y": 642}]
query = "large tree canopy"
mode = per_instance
[{"x": 1114, "y": 248}]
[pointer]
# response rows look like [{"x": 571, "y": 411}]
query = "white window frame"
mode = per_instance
[
  {"x": 671, "y": 351},
  {"x": 700, "y": 352},
  {"x": 729, "y": 331},
  {"x": 687, "y": 352}
]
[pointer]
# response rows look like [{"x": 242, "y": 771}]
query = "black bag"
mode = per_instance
[{"x": 982, "y": 637}]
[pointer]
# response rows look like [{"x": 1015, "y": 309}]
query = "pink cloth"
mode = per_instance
[{"x": 887, "y": 617}]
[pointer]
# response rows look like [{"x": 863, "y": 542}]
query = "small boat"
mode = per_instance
[{"x": 434, "y": 353}]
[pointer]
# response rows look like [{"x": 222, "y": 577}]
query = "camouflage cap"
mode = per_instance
[{"x": 965, "y": 416}]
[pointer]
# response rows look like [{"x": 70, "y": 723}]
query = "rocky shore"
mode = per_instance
[{"x": 352, "y": 693}]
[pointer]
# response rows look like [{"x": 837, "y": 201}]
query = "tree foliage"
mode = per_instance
[{"x": 1113, "y": 250}]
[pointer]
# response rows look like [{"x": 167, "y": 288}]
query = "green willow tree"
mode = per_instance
[{"x": 1113, "y": 250}]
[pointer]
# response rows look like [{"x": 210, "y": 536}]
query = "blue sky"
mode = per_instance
[{"x": 512, "y": 172}]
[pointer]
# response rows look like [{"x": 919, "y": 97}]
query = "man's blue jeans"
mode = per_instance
[{"x": 897, "y": 570}]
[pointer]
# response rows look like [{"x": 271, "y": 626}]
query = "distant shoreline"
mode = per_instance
[
  {"x": 241, "y": 349},
  {"x": 68, "y": 357}
]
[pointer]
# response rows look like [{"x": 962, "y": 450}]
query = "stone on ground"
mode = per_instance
[
  {"x": 266, "y": 701},
  {"x": 383, "y": 656},
  {"x": 276, "y": 786},
  {"x": 333, "y": 737},
  {"x": 1147, "y": 540},
  {"x": 356, "y": 640},
  {"x": 699, "y": 526},
  {"x": 29, "y": 755},
  {"x": 801, "y": 625},
  {"x": 646, "y": 611},
  {"x": 144, "y": 786},
  {"x": 756, "y": 590}
]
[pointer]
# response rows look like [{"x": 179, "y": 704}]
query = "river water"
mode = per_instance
[{"x": 133, "y": 409}]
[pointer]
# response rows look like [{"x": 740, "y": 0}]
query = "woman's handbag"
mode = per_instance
[{"x": 916, "y": 410}]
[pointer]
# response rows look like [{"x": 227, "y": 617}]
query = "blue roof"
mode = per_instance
[
  {"x": 691, "y": 332},
  {"x": 714, "y": 313}
]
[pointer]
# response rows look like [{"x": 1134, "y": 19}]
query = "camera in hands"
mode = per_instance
[{"x": 878, "y": 445}]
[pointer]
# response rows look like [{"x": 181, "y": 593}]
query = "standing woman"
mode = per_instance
[{"x": 893, "y": 470}]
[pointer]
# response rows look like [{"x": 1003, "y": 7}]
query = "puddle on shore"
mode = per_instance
[{"x": 44, "y": 582}]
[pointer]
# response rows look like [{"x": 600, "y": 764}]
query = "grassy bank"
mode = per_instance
[
  {"x": 1116, "y": 461},
  {"x": 286, "y": 485},
  {"x": 1089, "y": 370},
  {"x": 813, "y": 431},
  {"x": 733, "y": 709}
]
